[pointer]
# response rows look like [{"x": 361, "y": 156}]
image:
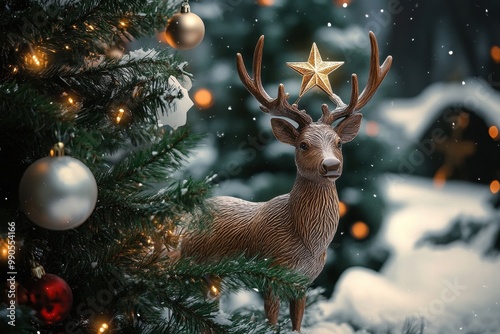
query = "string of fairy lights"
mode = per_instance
[{"x": 37, "y": 59}]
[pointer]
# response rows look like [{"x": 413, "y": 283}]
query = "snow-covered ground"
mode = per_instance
[{"x": 453, "y": 287}]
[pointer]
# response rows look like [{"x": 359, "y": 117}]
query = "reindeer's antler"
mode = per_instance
[
  {"x": 375, "y": 78},
  {"x": 278, "y": 106}
]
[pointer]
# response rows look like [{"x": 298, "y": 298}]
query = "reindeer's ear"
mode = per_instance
[
  {"x": 348, "y": 128},
  {"x": 284, "y": 131}
]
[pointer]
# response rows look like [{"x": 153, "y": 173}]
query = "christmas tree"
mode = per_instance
[{"x": 96, "y": 259}]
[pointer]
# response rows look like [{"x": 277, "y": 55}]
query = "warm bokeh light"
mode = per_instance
[
  {"x": 463, "y": 120},
  {"x": 495, "y": 53},
  {"x": 4, "y": 249},
  {"x": 265, "y": 2},
  {"x": 342, "y": 3},
  {"x": 371, "y": 128},
  {"x": 36, "y": 60},
  {"x": 440, "y": 177},
  {"x": 121, "y": 111},
  {"x": 103, "y": 328},
  {"x": 214, "y": 292},
  {"x": 494, "y": 186},
  {"x": 203, "y": 98},
  {"x": 342, "y": 209},
  {"x": 493, "y": 132},
  {"x": 360, "y": 230}
]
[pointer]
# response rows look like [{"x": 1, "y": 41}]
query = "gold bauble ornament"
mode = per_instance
[{"x": 185, "y": 30}]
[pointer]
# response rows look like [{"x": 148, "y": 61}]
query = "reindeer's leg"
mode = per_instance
[
  {"x": 271, "y": 307},
  {"x": 297, "y": 307}
]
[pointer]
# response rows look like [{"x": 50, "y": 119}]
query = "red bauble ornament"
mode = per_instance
[{"x": 51, "y": 297}]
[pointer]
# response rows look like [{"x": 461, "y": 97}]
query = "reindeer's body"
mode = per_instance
[{"x": 294, "y": 230}]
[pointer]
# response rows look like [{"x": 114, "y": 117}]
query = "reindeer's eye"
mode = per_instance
[{"x": 303, "y": 146}]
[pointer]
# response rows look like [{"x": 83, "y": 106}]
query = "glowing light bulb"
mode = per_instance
[
  {"x": 103, "y": 327},
  {"x": 35, "y": 60},
  {"x": 121, "y": 111}
]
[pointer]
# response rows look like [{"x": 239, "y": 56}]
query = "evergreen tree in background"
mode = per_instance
[{"x": 61, "y": 83}]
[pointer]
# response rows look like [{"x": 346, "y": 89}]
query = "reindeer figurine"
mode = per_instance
[{"x": 294, "y": 229}]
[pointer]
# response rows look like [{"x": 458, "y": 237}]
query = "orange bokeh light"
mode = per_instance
[
  {"x": 493, "y": 132},
  {"x": 360, "y": 230},
  {"x": 4, "y": 249},
  {"x": 203, "y": 98},
  {"x": 440, "y": 177},
  {"x": 494, "y": 186},
  {"x": 265, "y": 2},
  {"x": 342, "y": 209},
  {"x": 342, "y": 3},
  {"x": 372, "y": 128},
  {"x": 495, "y": 53}
]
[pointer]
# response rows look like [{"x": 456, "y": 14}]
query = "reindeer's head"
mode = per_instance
[{"x": 318, "y": 144}]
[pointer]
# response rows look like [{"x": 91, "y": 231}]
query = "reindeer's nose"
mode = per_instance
[{"x": 330, "y": 167}]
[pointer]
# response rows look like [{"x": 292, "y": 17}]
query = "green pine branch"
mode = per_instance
[
  {"x": 70, "y": 30},
  {"x": 240, "y": 272},
  {"x": 30, "y": 119},
  {"x": 147, "y": 166}
]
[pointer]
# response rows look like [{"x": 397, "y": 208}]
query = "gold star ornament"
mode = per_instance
[{"x": 315, "y": 72}]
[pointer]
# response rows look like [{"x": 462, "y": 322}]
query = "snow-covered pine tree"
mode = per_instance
[{"x": 61, "y": 83}]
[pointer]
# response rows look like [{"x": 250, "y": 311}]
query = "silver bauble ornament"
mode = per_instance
[
  {"x": 58, "y": 193},
  {"x": 185, "y": 30}
]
